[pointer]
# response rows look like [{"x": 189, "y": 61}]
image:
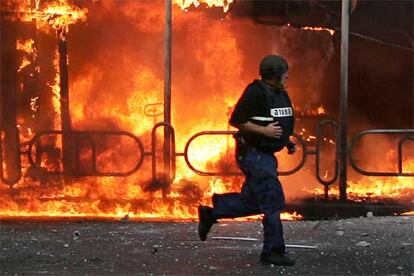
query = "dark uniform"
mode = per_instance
[{"x": 261, "y": 192}]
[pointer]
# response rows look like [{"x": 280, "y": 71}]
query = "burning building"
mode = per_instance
[{"x": 87, "y": 130}]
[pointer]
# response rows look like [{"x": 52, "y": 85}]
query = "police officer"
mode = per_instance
[{"x": 264, "y": 118}]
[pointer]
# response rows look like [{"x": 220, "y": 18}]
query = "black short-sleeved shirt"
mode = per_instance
[{"x": 261, "y": 105}]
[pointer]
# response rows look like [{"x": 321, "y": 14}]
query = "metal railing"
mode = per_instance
[
  {"x": 77, "y": 137},
  {"x": 408, "y": 135},
  {"x": 171, "y": 171},
  {"x": 238, "y": 173},
  {"x": 318, "y": 153}
]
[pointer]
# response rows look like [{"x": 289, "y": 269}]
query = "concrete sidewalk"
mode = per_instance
[{"x": 357, "y": 246}]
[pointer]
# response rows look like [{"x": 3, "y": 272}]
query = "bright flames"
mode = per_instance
[
  {"x": 210, "y": 3},
  {"x": 55, "y": 14},
  {"x": 131, "y": 101},
  {"x": 378, "y": 188}
]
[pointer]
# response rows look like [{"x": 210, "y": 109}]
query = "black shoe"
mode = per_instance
[
  {"x": 205, "y": 221},
  {"x": 276, "y": 259}
]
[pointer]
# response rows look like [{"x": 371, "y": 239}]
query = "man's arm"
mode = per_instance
[{"x": 272, "y": 130}]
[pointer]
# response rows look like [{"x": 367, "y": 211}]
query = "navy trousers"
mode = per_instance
[{"x": 261, "y": 193}]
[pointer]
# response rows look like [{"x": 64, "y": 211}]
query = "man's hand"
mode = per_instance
[
  {"x": 291, "y": 147},
  {"x": 273, "y": 130}
]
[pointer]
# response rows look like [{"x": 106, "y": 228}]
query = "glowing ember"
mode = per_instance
[
  {"x": 311, "y": 112},
  {"x": 290, "y": 216},
  {"x": 321, "y": 110},
  {"x": 411, "y": 213},
  {"x": 319, "y": 29},
  {"x": 34, "y": 105},
  {"x": 27, "y": 47}
]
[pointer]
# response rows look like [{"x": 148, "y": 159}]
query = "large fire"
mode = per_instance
[
  {"x": 377, "y": 189},
  {"x": 120, "y": 88}
]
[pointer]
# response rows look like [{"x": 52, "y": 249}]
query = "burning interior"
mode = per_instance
[{"x": 82, "y": 106}]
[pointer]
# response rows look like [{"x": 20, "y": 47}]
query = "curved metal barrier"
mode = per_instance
[
  {"x": 89, "y": 136},
  {"x": 187, "y": 160},
  {"x": 226, "y": 132},
  {"x": 172, "y": 168},
  {"x": 318, "y": 152},
  {"x": 400, "y": 152},
  {"x": 78, "y": 135},
  {"x": 305, "y": 153},
  {"x": 408, "y": 135}
]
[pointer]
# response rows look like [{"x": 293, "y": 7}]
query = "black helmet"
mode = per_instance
[{"x": 273, "y": 65}]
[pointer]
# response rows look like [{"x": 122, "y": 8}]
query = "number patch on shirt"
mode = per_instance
[{"x": 281, "y": 112}]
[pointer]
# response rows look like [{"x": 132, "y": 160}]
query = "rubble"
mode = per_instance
[{"x": 169, "y": 248}]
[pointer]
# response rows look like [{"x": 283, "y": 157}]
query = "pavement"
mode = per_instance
[{"x": 354, "y": 246}]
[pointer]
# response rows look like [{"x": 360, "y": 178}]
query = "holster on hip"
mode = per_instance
[{"x": 241, "y": 146}]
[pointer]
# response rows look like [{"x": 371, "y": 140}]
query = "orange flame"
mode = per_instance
[
  {"x": 39, "y": 194},
  {"x": 27, "y": 47},
  {"x": 184, "y": 4},
  {"x": 312, "y": 112},
  {"x": 56, "y": 92},
  {"x": 56, "y": 14},
  {"x": 411, "y": 213},
  {"x": 319, "y": 29},
  {"x": 377, "y": 188}
]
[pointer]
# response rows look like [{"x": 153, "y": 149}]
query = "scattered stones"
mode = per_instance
[
  {"x": 364, "y": 234},
  {"x": 370, "y": 214},
  {"x": 76, "y": 235},
  {"x": 155, "y": 248},
  {"x": 363, "y": 244},
  {"x": 339, "y": 233},
  {"x": 405, "y": 245}
]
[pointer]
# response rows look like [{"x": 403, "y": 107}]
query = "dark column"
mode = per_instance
[
  {"x": 167, "y": 88},
  {"x": 8, "y": 102},
  {"x": 67, "y": 145},
  {"x": 343, "y": 115}
]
